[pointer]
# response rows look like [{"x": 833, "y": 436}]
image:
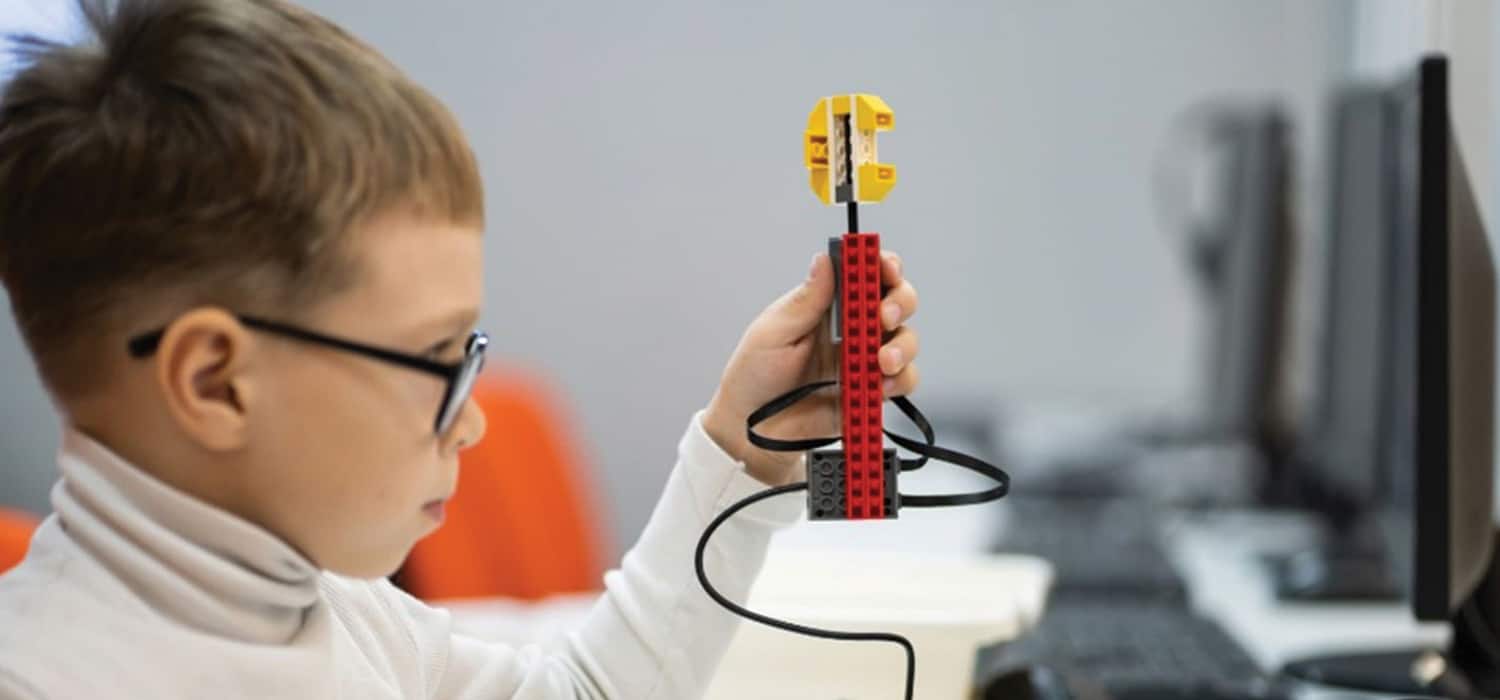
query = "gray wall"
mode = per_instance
[
  {"x": 646, "y": 195},
  {"x": 28, "y": 426}
]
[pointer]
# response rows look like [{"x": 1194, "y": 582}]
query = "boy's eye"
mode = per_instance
[
  {"x": 439, "y": 350},
  {"x": 450, "y": 348}
]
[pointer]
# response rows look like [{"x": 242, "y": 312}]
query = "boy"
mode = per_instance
[{"x": 245, "y": 254}]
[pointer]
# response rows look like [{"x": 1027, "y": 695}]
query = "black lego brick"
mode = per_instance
[{"x": 826, "y": 490}]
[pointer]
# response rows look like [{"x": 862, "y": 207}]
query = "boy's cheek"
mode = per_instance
[{"x": 348, "y": 462}]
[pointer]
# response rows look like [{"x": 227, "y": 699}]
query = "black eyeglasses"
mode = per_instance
[{"x": 459, "y": 376}]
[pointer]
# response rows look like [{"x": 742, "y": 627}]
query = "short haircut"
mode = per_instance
[{"x": 207, "y": 152}]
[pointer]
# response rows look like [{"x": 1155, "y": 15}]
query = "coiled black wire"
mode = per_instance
[
  {"x": 924, "y": 450},
  {"x": 767, "y": 620}
]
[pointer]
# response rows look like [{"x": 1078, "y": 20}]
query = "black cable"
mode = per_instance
[
  {"x": 777, "y": 405},
  {"x": 943, "y": 454},
  {"x": 926, "y": 450},
  {"x": 752, "y": 499}
]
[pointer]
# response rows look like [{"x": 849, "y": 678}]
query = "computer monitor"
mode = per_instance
[
  {"x": 1334, "y": 469},
  {"x": 1245, "y": 260},
  {"x": 1354, "y": 361},
  {"x": 1441, "y": 458},
  {"x": 1238, "y": 246},
  {"x": 1436, "y": 496}
]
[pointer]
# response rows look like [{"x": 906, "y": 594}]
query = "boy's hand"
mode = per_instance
[{"x": 789, "y": 345}]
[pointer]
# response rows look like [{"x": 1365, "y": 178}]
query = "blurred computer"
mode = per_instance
[
  {"x": 1411, "y": 470},
  {"x": 1243, "y": 259},
  {"x": 1227, "y": 201},
  {"x": 1433, "y": 496},
  {"x": 1119, "y": 623},
  {"x": 1334, "y": 469},
  {"x": 1097, "y": 523}
]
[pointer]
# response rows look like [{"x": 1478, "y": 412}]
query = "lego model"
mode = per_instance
[
  {"x": 839, "y": 149},
  {"x": 859, "y": 480}
]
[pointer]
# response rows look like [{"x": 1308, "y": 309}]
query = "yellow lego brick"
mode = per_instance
[
  {"x": 839, "y": 149},
  {"x": 876, "y": 181},
  {"x": 817, "y": 120},
  {"x": 873, "y": 114},
  {"x": 815, "y": 151},
  {"x": 820, "y": 188}
]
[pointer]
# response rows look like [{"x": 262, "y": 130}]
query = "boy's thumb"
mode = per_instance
[{"x": 800, "y": 310}]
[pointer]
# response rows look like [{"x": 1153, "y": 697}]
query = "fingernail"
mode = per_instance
[
  {"x": 888, "y": 387},
  {"x": 891, "y": 313},
  {"x": 896, "y": 357},
  {"x": 813, "y": 270}
]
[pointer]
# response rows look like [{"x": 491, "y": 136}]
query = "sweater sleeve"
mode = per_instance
[{"x": 654, "y": 634}]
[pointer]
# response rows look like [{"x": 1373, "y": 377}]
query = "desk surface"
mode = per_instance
[
  {"x": 1219, "y": 556},
  {"x": 948, "y": 605}
]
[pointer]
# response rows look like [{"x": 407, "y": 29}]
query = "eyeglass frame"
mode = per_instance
[{"x": 459, "y": 376}]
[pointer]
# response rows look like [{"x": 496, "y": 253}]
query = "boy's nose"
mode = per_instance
[{"x": 469, "y": 429}]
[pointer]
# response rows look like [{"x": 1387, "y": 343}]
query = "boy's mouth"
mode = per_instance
[{"x": 435, "y": 509}]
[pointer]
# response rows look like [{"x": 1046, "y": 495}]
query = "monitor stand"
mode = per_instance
[
  {"x": 1350, "y": 565},
  {"x": 1470, "y": 668}
]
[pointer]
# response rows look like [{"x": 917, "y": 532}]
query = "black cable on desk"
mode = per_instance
[
  {"x": 752, "y": 499},
  {"x": 925, "y": 449}
]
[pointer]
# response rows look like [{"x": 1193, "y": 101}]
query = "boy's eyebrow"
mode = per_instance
[{"x": 454, "y": 323}]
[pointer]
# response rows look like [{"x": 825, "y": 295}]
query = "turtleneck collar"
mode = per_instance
[{"x": 190, "y": 561}]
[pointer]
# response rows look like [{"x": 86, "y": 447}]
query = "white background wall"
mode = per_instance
[
  {"x": 646, "y": 195},
  {"x": 1389, "y": 36}
]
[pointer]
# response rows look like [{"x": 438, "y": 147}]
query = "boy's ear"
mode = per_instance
[{"x": 200, "y": 369}]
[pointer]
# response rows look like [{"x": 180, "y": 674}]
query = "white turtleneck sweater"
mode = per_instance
[{"x": 133, "y": 589}]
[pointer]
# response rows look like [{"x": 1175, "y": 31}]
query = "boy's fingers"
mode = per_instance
[
  {"x": 899, "y": 352},
  {"x": 799, "y": 311},
  {"x": 902, "y": 384},
  {"x": 899, "y": 305},
  {"x": 891, "y": 273}
]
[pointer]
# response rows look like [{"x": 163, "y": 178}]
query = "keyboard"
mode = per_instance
[
  {"x": 1097, "y": 547},
  {"x": 1125, "y": 650}
]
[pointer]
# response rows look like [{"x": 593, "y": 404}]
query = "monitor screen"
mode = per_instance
[
  {"x": 1344, "y": 447},
  {"x": 1247, "y": 332},
  {"x": 1440, "y": 442}
]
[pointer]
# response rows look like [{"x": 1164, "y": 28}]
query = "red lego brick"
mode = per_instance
[
  {"x": 825, "y": 484},
  {"x": 860, "y": 378}
]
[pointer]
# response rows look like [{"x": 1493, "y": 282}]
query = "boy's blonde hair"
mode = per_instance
[{"x": 203, "y": 152}]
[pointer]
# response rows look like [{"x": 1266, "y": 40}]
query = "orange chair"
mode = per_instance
[
  {"x": 524, "y": 523},
  {"x": 15, "y": 536}
]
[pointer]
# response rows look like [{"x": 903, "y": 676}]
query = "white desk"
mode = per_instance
[
  {"x": 1219, "y": 556},
  {"x": 925, "y": 575},
  {"x": 950, "y": 601},
  {"x": 946, "y": 604}
]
